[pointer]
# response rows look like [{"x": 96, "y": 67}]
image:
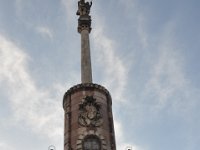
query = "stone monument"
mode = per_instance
[{"x": 87, "y": 106}]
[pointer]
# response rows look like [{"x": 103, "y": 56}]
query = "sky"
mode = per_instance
[{"x": 145, "y": 52}]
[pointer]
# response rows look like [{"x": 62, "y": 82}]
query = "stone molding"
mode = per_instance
[
  {"x": 86, "y": 86},
  {"x": 84, "y": 23}
]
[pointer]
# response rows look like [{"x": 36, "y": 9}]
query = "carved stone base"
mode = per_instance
[{"x": 92, "y": 103}]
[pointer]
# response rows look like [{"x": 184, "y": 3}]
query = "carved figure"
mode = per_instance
[
  {"x": 83, "y": 8},
  {"x": 90, "y": 112}
]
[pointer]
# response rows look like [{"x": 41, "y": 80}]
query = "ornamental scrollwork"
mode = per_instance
[{"x": 89, "y": 112}]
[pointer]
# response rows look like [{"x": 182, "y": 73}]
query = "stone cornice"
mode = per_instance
[{"x": 87, "y": 86}]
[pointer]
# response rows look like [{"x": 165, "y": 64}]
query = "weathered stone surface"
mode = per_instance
[{"x": 74, "y": 132}]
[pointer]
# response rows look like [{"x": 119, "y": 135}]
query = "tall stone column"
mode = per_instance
[
  {"x": 86, "y": 69},
  {"x": 84, "y": 28}
]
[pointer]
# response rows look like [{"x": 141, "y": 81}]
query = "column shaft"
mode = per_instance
[{"x": 86, "y": 69}]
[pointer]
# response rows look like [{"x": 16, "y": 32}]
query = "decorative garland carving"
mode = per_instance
[{"x": 89, "y": 113}]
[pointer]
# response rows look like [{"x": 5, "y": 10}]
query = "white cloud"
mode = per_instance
[
  {"x": 114, "y": 69},
  {"x": 167, "y": 74},
  {"x": 70, "y": 9},
  {"x": 37, "y": 108},
  {"x": 120, "y": 138},
  {"x": 5, "y": 146},
  {"x": 45, "y": 32}
]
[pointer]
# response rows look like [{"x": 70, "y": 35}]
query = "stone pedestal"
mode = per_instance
[{"x": 88, "y": 113}]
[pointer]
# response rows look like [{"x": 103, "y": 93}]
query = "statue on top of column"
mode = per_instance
[{"x": 83, "y": 8}]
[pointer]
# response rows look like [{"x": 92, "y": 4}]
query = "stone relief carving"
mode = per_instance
[{"x": 89, "y": 112}]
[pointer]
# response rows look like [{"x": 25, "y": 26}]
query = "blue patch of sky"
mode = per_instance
[
  {"x": 188, "y": 36},
  {"x": 159, "y": 131}
]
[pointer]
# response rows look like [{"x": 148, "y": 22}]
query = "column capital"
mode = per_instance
[{"x": 84, "y": 23}]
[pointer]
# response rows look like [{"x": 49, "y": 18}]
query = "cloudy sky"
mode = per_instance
[{"x": 145, "y": 52}]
